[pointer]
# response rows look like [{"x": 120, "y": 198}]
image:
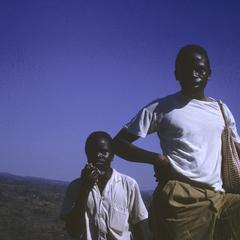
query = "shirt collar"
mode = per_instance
[{"x": 116, "y": 177}]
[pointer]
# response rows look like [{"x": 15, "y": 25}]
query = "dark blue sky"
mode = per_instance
[{"x": 71, "y": 67}]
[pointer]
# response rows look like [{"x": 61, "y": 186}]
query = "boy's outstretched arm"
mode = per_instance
[{"x": 124, "y": 148}]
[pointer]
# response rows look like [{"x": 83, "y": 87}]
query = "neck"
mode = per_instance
[
  {"x": 102, "y": 181},
  {"x": 107, "y": 175},
  {"x": 197, "y": 95}
]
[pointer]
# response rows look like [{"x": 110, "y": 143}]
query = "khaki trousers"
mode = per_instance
[{"x": 180, "y": 211}]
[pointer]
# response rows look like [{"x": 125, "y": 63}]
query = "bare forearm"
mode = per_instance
[
  {"x": 75, "y": 225},
  {"x": 75, "y": 220},
  {"x": 141, "y": 230},
  {"x": 125, "y": 149},
  {"x": 131, "y": 152}
]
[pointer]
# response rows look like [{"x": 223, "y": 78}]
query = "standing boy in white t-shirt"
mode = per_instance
[{"x": 189, "y": 202}]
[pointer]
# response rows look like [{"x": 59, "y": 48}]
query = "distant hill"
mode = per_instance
[
  {"x": 29, "y": 208},
  {"x": 10, "y": 178}
]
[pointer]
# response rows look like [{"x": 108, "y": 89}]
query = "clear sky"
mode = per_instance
[{"x": 69, "y": 67}]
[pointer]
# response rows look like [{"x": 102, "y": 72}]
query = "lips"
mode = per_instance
[
  {"x": 100, "y": 163},
  {"x": 102, "y": 167},
  {"x": 196, "y": 82}
]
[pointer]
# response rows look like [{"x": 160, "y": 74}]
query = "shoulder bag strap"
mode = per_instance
[{"x": 222, "y": 110}]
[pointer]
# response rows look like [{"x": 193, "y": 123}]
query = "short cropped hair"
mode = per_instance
[
  {"x": 187, "y": 50},
  {"x": 95, "y": 135}
]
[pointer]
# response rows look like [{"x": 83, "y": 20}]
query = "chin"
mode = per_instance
[
  {"x": 194, "y": 89},
  {"x": 102, "y": 174}
]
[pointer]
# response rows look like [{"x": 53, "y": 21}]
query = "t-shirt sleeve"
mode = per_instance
[
  {"x": 232, "y": 123},
  {"x": 145, "y": 122},
  {"x": 137, "y": 209}
]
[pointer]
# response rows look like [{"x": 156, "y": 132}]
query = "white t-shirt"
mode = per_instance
[
  {"x": 109, "y": 215},
  {"x": 190, "y": 135}
]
